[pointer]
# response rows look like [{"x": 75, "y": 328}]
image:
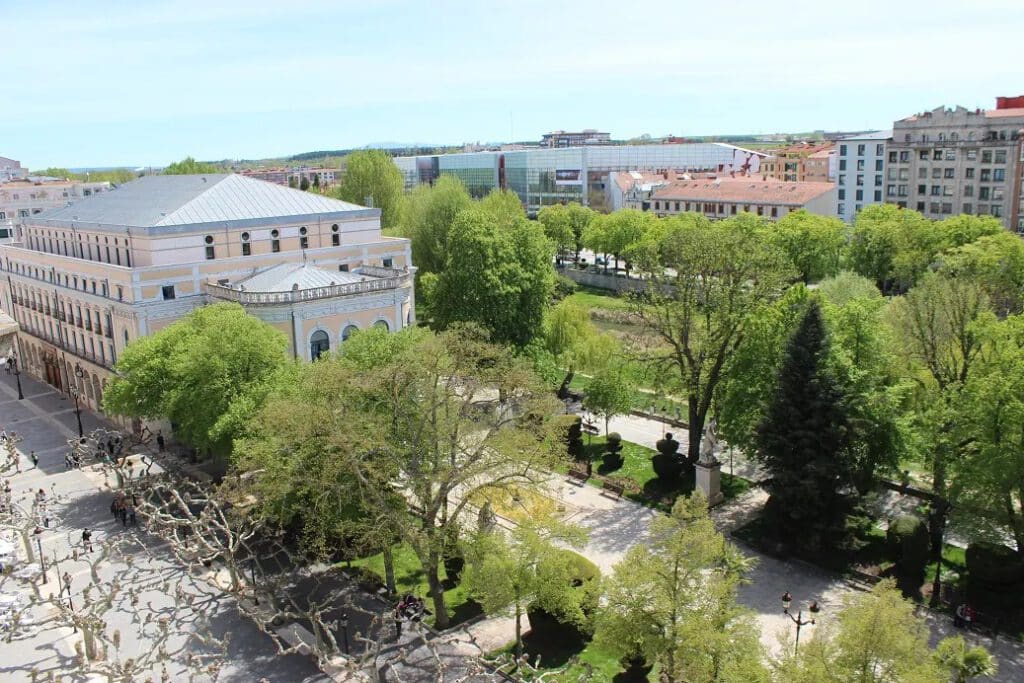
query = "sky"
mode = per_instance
[{"x": 140, "y": 82}]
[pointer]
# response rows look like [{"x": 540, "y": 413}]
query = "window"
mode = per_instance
[
  {"x": 860, "y": 180},
  {"x": 892, "y": 157},
  {"x": 347, "y": 332},
  {"x": 860, "y": 150},
  {"x": 878, "y": 180},
  {"x": 842, "y": 164},
  {"x": 860, "y": 164},
  {"x": 841, "y": 209},
  {"x": 335, "y": 237},
  {"x": 860, "y": 195},
  {"x": 1000, "y": 156},
  {"x": 878, "y": 195},
  {"x": 343, "y": 267},
  {"x": 972, "y": 155},
  {"x": 986, "y": 156},
  {"x": 923, "y": 155},
  {"x": 168, "y": 293},
  {"x": 302, "y": 230},
  {"x": 878, "y": 164},
  {"x": 947, "y": 208},
  {"x": 879, "y": 149},
  {"x": 922, "y": 172},
  {"x": 986, "y": 175},
  {"x": 904, "y": 174},
  {"x": 997, "y": 193},
  {"x": 967, "y": 207},
  {"x": 968, "y": 190},
  {"x": 947, "y": 190},
  {"x": 937, "y": 155},
  {"x": 892, "y": 174},
  {"x": 936, "y": 172},
  {"x": 858, "y": 208},
  {"x": 842, "y": 179},
  {"x": 210, "y": 255},
  {"x": 949, "y": 173},
  {"x": 319, "y": 344},
  {"x": 842, "y": 150},
  {"x": 246, "y": 249},
  {"x": 936, "y": 190},
  {"x": 904, "y": 157},
  {"x": 890, "y": 190},
  {"x": 842, "y": 194},
  {"x": 983, "y": 193},
  {"x": 387, "y": 263},
  {"x": 998, "y": 175},
  {"x": 997, "y": 210},
  {"x": 383, "y": 324},
  {"x": 775, "y": 211},
  {"x": 968, "y": 173},
  {"x": 902, "y": 190},
  {"x": 950, "y": 155},
  {"x": 303, "y": 242},
  {"x": 934, "y": 207}
]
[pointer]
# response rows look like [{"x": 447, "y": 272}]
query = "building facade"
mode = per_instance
[
  {"x": 542, "y": 177},
  {"x": 861, "y": 172},
  {"x": 22, "y": 199},
  {"x": 959, "y": 161},
  {"x": 88, "y": 279},
  {"x": 797, "y": 163},
  {"x": 719, "y": 198},
  {"x": 588, "y": 136},
  {"x": 11, "y": 169}
]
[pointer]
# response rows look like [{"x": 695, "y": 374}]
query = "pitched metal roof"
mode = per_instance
[
  {"x": 171, "y": 200},
  {"x": 285, "y": 276}
]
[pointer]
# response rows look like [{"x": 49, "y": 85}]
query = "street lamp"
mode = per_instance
[
  {"x": 79, "y": 373},
  {"x": 13, "y": 360},
  {"x": 39, "y": 545},
  {"x": 344, "y": 629},
  {"x": 787, "y": 600}
]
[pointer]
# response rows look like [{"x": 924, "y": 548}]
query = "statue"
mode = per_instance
[{"x": 709, "y": 443}]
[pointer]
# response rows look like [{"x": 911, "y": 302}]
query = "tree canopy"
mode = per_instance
[
  {"x": 371, "y": 178},
  {"x": 189, "y": 166}
]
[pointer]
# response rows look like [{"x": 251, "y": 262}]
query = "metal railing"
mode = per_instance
[{"x": 388, "y": 279}]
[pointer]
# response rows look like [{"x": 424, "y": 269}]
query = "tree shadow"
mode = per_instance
[
  {"x": 466, "y": 611},
  {"x": 554, "y": 648}
]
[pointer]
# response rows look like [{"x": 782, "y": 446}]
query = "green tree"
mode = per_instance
[
  {"x": 205, "y": 373},
  {"x": 609, "y": 392},
  {"x": 371, "y": 177},
  {"x": 672, "y": 602},
  {"x": 555, "y": 219},
  {"x": 498, "y": 273},
  {"x": 304, "y": 184},
  {"x": 707, "y": 282},
  {"x": 624, "y": 229},
  {"x": 574, "y": 342},
  {"x": 523, "y": 566},
  {"x": 455, "y": 416},
  {"x": 814, "y": 244},
  {"x": 579, "y": 217},
  {"x": 596, "y": 237},
  {"x": 429, "y": 213},
  {"x": 892, "y": 246},
  {"x": 996, "y": 263},
  {"x": 53, "y": 172},
  {"x": 875, "y": 638},
  {"x": 963, "y": 662},
  {"x": 804, "y": 438},
  {"x": 189, "y": 166}
]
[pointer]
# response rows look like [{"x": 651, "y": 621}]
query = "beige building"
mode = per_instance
[
  {"x": 960, "y": 161},
  {"x": 803, "y": 162},
  {"x": 88, "y": 279},
  {"x": 724, "y": 197},
  {"x": 22, "y": 199}
]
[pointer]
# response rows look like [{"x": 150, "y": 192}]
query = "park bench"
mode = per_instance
[
  {"x": 611, "y": 487},
  {"x": 578, "y": 475},
  {"x": 591, "y": 428}
]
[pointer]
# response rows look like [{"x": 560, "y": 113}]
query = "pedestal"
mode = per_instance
[{"x": 709, "y": 481}]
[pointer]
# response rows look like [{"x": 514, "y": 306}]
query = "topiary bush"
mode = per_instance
[
  {"x": 613, "y": 452},
  {"x": 574, "y": 438},
  {"x": 907, "y": 538},
  {"x": 667, "y": 464},
  {"x": 994, "y": 567},
  {"x": 569, "y": 620}
]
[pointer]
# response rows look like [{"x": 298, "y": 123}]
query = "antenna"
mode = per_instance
[{"x": 511, "y": 128}]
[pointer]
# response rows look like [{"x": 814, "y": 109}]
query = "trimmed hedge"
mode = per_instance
[
  {"x": 994, "y": 566},
  {"x": 908, "y": 542}
]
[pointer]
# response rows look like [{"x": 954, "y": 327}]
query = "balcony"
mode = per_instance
[{"x": 378, "y": 279}]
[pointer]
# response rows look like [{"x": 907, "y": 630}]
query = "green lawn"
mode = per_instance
[
  {"x": 637, "y": 469},
  {"x": 410, "y": 578},
  {"x": 590, "y": 297},
  {"x": 600, "y": 663}
]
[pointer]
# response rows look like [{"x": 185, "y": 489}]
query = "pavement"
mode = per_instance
[{"x": 153, "y": 585}]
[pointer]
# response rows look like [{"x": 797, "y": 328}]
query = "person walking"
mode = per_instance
[
  {"x": 67, "y": 584},
  {"x": 34, "y": 458},
  {"x": 87, "y": 540},
  {"x": 124, "y": 515},
  {"x": 160, "y": 440},
  {"x": 67, "y": 461},
  {"x": 132, "y": 521}
]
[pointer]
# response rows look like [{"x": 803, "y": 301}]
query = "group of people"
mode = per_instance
[
  {"x": 964, "y": 615},
  {"x": 123, "y": 508},
  {"x": 410, "y": 608}
]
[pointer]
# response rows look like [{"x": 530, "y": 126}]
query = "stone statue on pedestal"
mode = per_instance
[
  {"x": 708, "y": 470},
  {"x": 709, "y": 443}
]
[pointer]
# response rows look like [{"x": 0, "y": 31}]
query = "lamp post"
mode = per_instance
[
  {"x": 787, "y": 600},
  {"x": 13, "y": 360},
  {"x": 252, "y": 571},
  {"x": 79, "y": 373},
  {"x": 344, "y": 630},
  {"x": 39, "y": 545}
]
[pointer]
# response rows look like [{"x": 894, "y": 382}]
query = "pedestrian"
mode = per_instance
[
  {"x": 132, "y": 521},
  {"x": 34, "y": 458},
  {"x": 67, "y": 461},
  {"x": 160, "y": 440},
  {"x": 110, "y": 446},
  {"x": 87, "y": 540},
  {"x": 124, "y": 515},
  {"x": 3, "y": 435},
  {"x": 113, "y": 507},
  {"x": 398, "y": 620},
  {"x": 67, "y": 583}
]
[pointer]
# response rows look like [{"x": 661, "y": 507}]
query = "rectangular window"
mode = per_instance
[
  {"x": 972, "y": 155},
  {"x": 923, "y": 155},
  {"x": 335, "y": 240},
  {"x": 891, "y": 174},
  {"x": 860, "y": 195},
  {"x": 998, "y": 175},
  {"x": 936, "y": 172},
  {"x": 902, "y": 190},
  {"x": 842, "y": 179},
  {"x": 246, "y": 249},
  {"x": 892, "y": 157},
  {"x": 983, "y": 193},
  {"x": 878, "y": 195},
  {"x": 949, "y": 173},
  {"x": 922, "y": 189},
  {"x": 842, "y": 194},
  {"x": 922, "y": 172},
  {"x": 841, "y": 209},
  {"x": 388, "y": 263},
  {"x": 967, "y": 208},
  {"x": 968, "y": 190},
  {"x": 878, "y": 164},
  {"x": 950, "y": 155},
  {"x": 842, "y": 150},
  {"x": 860, "y": 150},
  {"x": 775, "y": 212},
  {"x": 986, "y": 156},
  {"x": 890, "y": 190},
  {"x": 997, "y": 210},
  {"x": 934, "y": 207},
  {"x": 937, "y": 155},
  {"x": 860, "y": 180},
  {"x": 986, "y": 175},
  {"x": 947, "y": 208},
  {"x": 879, "y": 149},
  {"x": 842, "y": 164},
  {"x": 343, "y": 267},
  {"x": 878, "y": 180},
  {"x": 275, "y": 246},
  {"x": 1000, "y": 156},
  {"x": 997, "y": 193},
  {"x": 904, "y": 157},
  {"x": 968, "y": 173},
  {"x": 168, "y": 292},
  {"x": 303, "y": 242},
  {"x": 904, "y": 174},
  {"x": 210, "y": 254}
]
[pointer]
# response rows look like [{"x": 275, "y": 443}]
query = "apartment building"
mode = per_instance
[
  {"x": 88, "y": 279},
  {"x": 719, "y": 198},
  {"x": 860, "y": 174},
  {"x": 22, "y": 199},
  {"x": 950, "y": 161},
  {"x": 11, "y": 169},
  {"x": 798, "y": 163}
]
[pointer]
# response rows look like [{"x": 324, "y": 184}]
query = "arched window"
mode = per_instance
[
  {"x": 319, "y": 344},
  {"x": 97, "y": 391},
  {"x": 382, "y": 324},
  {"x": 347, "y": 332}
]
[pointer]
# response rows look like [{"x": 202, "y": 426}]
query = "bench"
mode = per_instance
[
  {"x": 612, "y": 488},
  {"x": 591, "y": 428},
  {"x": 578, "y": 476}
]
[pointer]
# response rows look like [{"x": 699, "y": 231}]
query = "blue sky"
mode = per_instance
[{"x": 143, "y": 82}]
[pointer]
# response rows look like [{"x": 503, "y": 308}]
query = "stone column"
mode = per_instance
[{"x": 709, "y": 480}]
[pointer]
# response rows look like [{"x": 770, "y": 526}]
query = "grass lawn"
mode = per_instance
[
  {"x": 592, "y": 659},
  {"x": 410, "y": 578},
  {"x": 591, "y": 297},
  {"x": 643, "y": 398},
  {"x": 647, "y": 489}
]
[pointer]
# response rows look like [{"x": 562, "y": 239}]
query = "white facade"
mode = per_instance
[
  {"x": 860, "y": 172},
  {"x": 22, "y": 199}
]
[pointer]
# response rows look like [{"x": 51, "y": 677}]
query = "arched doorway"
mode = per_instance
[{"x": 319, "y": 344}]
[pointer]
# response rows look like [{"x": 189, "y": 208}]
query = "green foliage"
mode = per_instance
[
  {"x": 993, "y": 565},
  {"x": 608, "y": 393},
  {"x": 907, "y": 537},
  {"x": 963, "y": 662},
  {"x": 429, "y": 212},
  {"x": 673, "y": 602},
  {"x": 814, "y": 244},
  {"x": 555, "y": 219},
  {"x": 996, "y": 263},
  {"x": 498, "y": 272},
  {"x": 371, "y": 175},
  {"x": 848, "y": 286},
  {"x": 803, "y": 441},
  {"x": 189, "y": 166},
  {"x": 57, "y": 173},
  {"x": 875, "y": 638},
  {"x": 192, "y": 371}
]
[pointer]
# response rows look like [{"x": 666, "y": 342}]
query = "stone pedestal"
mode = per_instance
[{"x": 709, "y": 481}]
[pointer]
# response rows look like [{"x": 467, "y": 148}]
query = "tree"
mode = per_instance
[
  {"x": 304, "y": 183},
  {"x": 555, "y": 219},
  {"x": 371, "y": 177},
  {"x": 578, "y": 217},
  {"x": 623, "y": 229},
  {"x": 707, "y": 282},
  {"x": 194, "y": 370},
  {"x": 455, "y": 416},
  {"x": 673, "y": 603},
  {"x": 814, "y": 244},
  {"x": 189, "y": 166},
  {"x": 521, "y": 566},
  {"x": 498, "y": 273},
  {"x": 996, "y": 263},
  {"x": 962, "y": 662},
  {"x": 595, "y": 237},
  {"x": 609, "y": 392},
  {"x": 573, "y": 341},
  {"x": 803, "y": 440},
  {"x": 429, "y": 213},
  {"x": 874, "y": 639},
  {"x": 892, "y": 246}
]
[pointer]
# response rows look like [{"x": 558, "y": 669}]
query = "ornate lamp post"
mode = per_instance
[
  {"x": 344, "y": 630},
  {"x": 13, "y": 360},
  {"x": 787, "y": 600},
  {"x": 79, "y": 373}
]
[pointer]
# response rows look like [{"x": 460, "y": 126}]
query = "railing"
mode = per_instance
[
  {"x": 390, "y": 279},
  {"x": 81, "y": 353}
]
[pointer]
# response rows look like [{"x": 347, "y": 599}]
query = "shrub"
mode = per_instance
[
  {"x": 994, "y": 566},
  {"x": 613, "y": 452},
  {"x": 570, "y": 623},
  {"x": 564, "y": 287},
  {"x": 908, "y": 542},
  {"x": 574, "y": 438},
  {"x": 667, "y": 464}
]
